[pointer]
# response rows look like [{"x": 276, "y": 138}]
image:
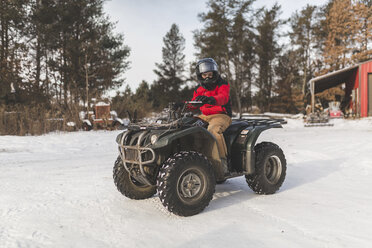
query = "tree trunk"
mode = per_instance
[
  {"x": 38, "y": 55},
  {"x": 63, "y": 73},
  {"x": 233, "y": 84},
  {"x": 87, "y": 82},
  {"x": 38, "y": 64}
]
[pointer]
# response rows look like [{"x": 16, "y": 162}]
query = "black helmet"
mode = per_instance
[{"x": 206, "y": 65}]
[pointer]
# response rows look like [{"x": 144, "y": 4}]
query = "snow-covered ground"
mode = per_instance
[{"x": 57, "y": 190}]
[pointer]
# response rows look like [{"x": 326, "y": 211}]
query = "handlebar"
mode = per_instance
[
  {"x": 195, "y": 103},
  {"x": 176, "y": 111}
]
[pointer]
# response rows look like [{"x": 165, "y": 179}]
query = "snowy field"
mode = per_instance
[{"x": 57, "y": 190}]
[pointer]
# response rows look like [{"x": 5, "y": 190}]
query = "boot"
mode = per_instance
[{"x": 224, "y": 166}]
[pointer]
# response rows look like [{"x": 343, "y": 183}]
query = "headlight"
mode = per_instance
[
  {"x": 245, "y": 132},
  {"x": 153, "y": 138}
]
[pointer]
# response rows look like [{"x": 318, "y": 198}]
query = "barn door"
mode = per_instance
[{"x": 370, "y": 94}]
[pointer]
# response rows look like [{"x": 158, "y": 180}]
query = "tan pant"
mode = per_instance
[{"x": 217, "y": 125}]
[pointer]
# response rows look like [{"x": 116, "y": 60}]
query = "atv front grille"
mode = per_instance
[
  {"x": 131, "y": 154},
  {"x": 135, "y": 154}
]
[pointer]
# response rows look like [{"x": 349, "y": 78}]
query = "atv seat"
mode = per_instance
[{"x": 233, "y": 131}]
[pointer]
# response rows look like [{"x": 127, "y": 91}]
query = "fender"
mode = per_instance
[
  {"x": 170, "y": 138},
  {"x": 252, "y": 134},
  {"x": 202, "y": 138}
]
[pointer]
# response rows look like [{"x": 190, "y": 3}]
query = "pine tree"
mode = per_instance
[
  {"x": 242, "y": 56},
  {"x": 339, "y": 24},
  {"x": 213, "y": 40},
  {"x": 123, "y": 102},
  {"x": 287, "y": 98},
  {"x": 302, "y": 34},
  {"x": 362, "y": 50},
  {"x": 36, "y": 31},
  {"x": 341, "y": 31},
  {"x": 85, "y": 52},
  {"x": 142, "y": 100},
  {"x": 170, "y": 72},
  {"x": 12, "y": 21},
  {"x": 227, "y": 38},
  {"x": 267, "y": 49},
  {"x": 54, "y": 49}
]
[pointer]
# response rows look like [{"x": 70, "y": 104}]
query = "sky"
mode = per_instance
[{"x": 144, "y": 23}]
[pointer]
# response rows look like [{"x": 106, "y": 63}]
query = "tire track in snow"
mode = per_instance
[
  {"x": 303, "y": 231},
  {"x": 8, "y": 235},
  {"x": 11, "y": 216},
  {"x": 104, "y": 212},
  {"x": 15, "y": 218}
]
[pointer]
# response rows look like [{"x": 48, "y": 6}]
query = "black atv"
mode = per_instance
[{"x": 179, "y": 159}]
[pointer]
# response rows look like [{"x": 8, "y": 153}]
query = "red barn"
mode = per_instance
[{"x": 358, "y": 87}]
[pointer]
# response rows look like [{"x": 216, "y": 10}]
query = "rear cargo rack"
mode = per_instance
[{"x": 263, "y": 122}]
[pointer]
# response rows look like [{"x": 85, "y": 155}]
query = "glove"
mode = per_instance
[
  {"x": 206, "y": 99},
  {"x": 201, "y": 98}
]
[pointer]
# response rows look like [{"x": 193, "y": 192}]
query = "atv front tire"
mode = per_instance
[
  {"x": 270, "y": 169},
  {"x": 128, "y": 186},
  {"x": 186, "y": 183}
]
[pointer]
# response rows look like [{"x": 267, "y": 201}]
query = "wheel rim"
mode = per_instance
[
  {"x": 191, "y": 185},
  {"x": 273, "y": 169}
]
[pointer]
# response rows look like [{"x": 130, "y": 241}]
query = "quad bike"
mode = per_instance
[{"x": 179, "y": 160}]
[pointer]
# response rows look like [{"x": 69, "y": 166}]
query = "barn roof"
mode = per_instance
[{"x": 333, "y": 79}]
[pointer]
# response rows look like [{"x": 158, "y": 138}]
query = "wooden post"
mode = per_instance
[
  {"x": 87, "y": 83},
  {"x": 312, "y": 90}
]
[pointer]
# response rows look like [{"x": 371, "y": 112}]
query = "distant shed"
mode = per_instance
[{"x": 358, "y": 86}]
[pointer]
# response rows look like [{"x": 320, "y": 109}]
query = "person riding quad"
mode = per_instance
[
  {"x": 183, "y": 162},
  {"x": 214, "y": 92}
]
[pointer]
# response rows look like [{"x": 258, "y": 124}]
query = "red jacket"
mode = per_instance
[{"x": 222, "y": 95}]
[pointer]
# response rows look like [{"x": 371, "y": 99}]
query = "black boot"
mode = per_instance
[{"x": 225, "y": 166}]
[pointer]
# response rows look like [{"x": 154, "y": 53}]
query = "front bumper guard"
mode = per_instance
[{"x": 135, "y": 153}]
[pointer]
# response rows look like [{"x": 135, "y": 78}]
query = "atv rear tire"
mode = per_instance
[
  {"x": 270, "y": 169},
  {"x": 186, "y": 183},
  {"x": 128, "y": 186}
]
